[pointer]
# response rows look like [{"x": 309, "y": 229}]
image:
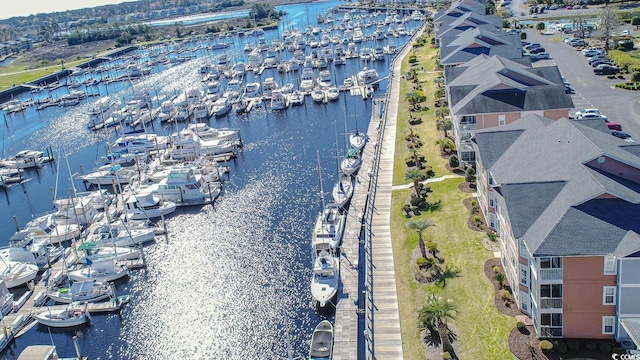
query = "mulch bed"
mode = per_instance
[
  {"x": 466, "y": 187},
  {"x": 519, "y": 344},
  {"x": 470, "y": 223},
  {"x": 433, "y": 346},
  {"x": 456, "y": 171},
  {"x": 511, "y": 310}
]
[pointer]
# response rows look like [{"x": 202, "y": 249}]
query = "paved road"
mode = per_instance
[{"x": 618, "y": 105}]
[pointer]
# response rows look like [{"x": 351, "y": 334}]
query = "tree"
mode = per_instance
[
  {"x": 442, "y": 112},
  {"x": 470, "y": 175},
  {"x": 540, "y": 26},
  {"x": 444, "y": 125},
  {"x": 414, "y": 97},
  {"x": 434, "y": 314},
  {"x": 418, "y": 226},
  {"x": 635, "y": 21},
  {"x": 609, "y": 21},
  {"x": 523, "y": 36},
  {"x": 500, "y": 278},
  {"x": 416, "y": 175},
  {"x": 179, "y": 29}
]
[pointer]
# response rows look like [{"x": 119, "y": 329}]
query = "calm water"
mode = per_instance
[{"x": 229, "y": 279}]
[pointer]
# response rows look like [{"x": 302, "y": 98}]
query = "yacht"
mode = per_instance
[
  {"x": 101, "y": 110},
  {"x": 213, "y": 90},
  {"x": 367, "y": 76},
  {"x": 333, "y": 93},
  {"x": 296, "y": 98},
  {"x": 324, "y": 79},
  {"x": 142, "y": 205},
  {"x": 325, "y": 278},
  {"x": 318, "y": 95},
  {"x": 221, "y": 107},
  {"x": 184, "y": 187},
  {"x": 269, "y": 86},
  {"x": 328, "y": 229},
  {"x": 252, "y": 89},
  {"x": 136, "y": 143},
  {"x": 307, "y": 81},
  {"x": 279, "y": 101},
  {"x": 167, "y": 111},
  {"x": 203, "y": 110}
]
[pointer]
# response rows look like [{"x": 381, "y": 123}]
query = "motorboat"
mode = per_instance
[
  {"x": 213, "y": 90},
  {"x": 358, "y": 140},
  {"x": 318, "y": 95},
  {"x": 324, "y": 79},
  {"x": 110, "y": 174},
  {"x": 325, "y": 278},
  {"x": 14, "y": 106},
  {"x": 56, "y": 232},
  {"x": 73, "y": 315},
  {"x": 321, "y": 347},
  {"x": 25, "y": 159},
  {"x": 135, "y": 143},
  {"x": 186, "y": 187},
  {"x": 269, "y": 85},
  {"x": 252, "y": 89},
  {"x": 32, "y": 250},
  {"x": 343, "y": 190},
  {"x": 348, "y": 82},
  {"x": 221, "y": 107},
  {"x": 100, "y": 111},
  {"x": 390, "y": 48},
  {"x": 205, "y": 132},
  {"x": 108, "y": 235},
  {"x": 351, "y": 162},
  {"x": 100, "y": 271},
  {"x": 328, "y": 229},
  {"x": 142, "y": 204},
  {"x": 15, "y": 274},
  {"x": 279, "y": 101},
  {"x": 95, "y": 252},
  {"x": 89, "y": 291},
  {"x": 367, "y": 76},
  {"x": 296, "y": 98},
  {"x": 307, "y": 81},
  {"x": 333, "y": 93},
  {"x": 167, "y": 111}
]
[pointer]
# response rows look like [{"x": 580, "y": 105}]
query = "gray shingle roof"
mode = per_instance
[
  {"x": 498, "y": 85},
  {"x": 468, "y": 44},
  {"x": 595, "y": 212},
  {"x": 458, "y": 8}
]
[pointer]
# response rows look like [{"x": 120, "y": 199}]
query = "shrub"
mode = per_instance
[
  {"x": 635, "y": 76},
  {"x": 446, "y": 356},
  {"x": 431, "y": 246},
  {"x": 496, "y": 269},
  {"x": 470, "y": 175},
  {"x": 504, "y": 295},
  {"x": 605, "y": 348},
  {"x": 546, "y": 345},
  {"x": 492, "y": 235},
  {"x": 560, "y": 347},
  {"x": 421, "y": 262},
  {"x": 477, "y": 219},
  {"x": 590, "y": 345},
  {"x": 573, "y": 345},
  {"x": 520, "y": 325},
  {"x": 474, "y": 203},
  {"x": 413, "y": 59},
  {"x": 454, "y": 162}
]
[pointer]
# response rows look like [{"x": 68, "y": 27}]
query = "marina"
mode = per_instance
[{"x": 245, "y": 261}]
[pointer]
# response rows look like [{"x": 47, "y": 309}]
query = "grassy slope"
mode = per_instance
[
  {"x": 17, "y": 74},
  {"x": 482, "y": 331}
]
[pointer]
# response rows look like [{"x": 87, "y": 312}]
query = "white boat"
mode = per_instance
[
  {"x": 184, "y": 187},
  {"x": 321, "y": 347},
  {"x": 213, "y": 90},
  {"x": 110, "y": 174},
  {"x": 25, "y": 159},
  {"x": 269, "y": 85},
  {"x": 358, "y": 140},
  {"x": 167, "y": 111},
  {"x": 189, "y": 146},
  {"x": 221, "y": 107},
  {"x": 343, "y": 190},
  {"x": 32, "y": 251},
  {"x": 15, "y": 106},
  {"x": 367, "y": 76},
  {"x": 73, "y": 315},
  {"x": 333, "y": 93},
  {"x": 296, "y": 98},
  {"x": 6, "y": 299},
  {"x": 279, "y": 101},
  {"x": 306, "y": 80},
  {"x": 89, "y": 291},
  {"x": 324, "y": 79},
  {"x": 55, "y": 231},
  {"x": 205, "y": 132},
  {"x": 135, "y": 143},
  {"x": 351, "y": 162},
  {"x": 252, "y": 89},
  {"x": 16, "y": 274},
  {"x": 203, "y": 110},
  {"x": 100, "y": 111},
  {"x": 325, "y": 278},
  {"x": 101, "y": 271},
  {"x": 328, "y": 229},
  {"x": 108, "y": 235},
  {"x": 142, "y": 204},
  {"x": 317, "y": 95},
  {"x": 94, "y": 252}
]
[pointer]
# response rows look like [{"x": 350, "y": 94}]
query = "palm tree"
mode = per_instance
[
  {"x": 435, "y": 313},
  {"x": 413, "y": 97},
  {"x": 416, "y": 175},
  {"x": 500, "y": 278},
  {"x": 418, "y": 226},
  {"x": 444, "y": 125}
]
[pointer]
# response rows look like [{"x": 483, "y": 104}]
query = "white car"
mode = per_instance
[
  {"x": 624, "y": 32},
  {"x": 589, "y": 114}
]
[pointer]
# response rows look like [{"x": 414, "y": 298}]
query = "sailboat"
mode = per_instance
[
  {"x": 343, "y": 188},
  {"x": 352, "y": 160},
  {"x": 329, "y": 225}
]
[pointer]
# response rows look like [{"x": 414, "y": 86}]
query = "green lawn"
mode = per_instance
[
  {"x": 482, "y": 331},
  {"x": 20, "y": 74}
]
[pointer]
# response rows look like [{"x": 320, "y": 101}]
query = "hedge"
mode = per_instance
[{"x": 624, "y": 60}]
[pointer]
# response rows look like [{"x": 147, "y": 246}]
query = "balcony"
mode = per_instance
[
  {"x": 551, "y": 303},
  {"x": 551, "y": 274}
]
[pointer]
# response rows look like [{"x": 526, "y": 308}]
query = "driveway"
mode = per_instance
[{"x": 618, "y": 105}]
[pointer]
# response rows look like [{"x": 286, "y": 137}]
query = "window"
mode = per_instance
[
  {"x": 608, "y": 323},
  {"x": 524, "y": 301},
  {"x": 609, "y": 265},
  {"x": 492, "y": 199},
  {"x": 492, "y": 220},
  {"x": 551, "y": 325},
  {"x": 551, "y": 291},
  {"x": 608, "y": 295},
  {"x": 551, "y": 263},
  {"x": 523, "y": 249},
  {"x": 524, "y": 275},
  {"x": 501, "y": 120},
  {"x": 491, "y": 181},
  {"x": 468, "y": 156}
]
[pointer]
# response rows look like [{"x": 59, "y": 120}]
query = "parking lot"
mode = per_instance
[{"x": 591, "y": 91}]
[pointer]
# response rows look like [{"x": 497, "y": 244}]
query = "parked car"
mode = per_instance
[
  {"x": 584, "y": 112},
  {"x": 532, "y": 46},
  {"x": 578, "y": 42},
  {"x": 624, "y": 32},
  {"x": 537, "y": 50},
  {"x": 614, "y": 126},
  {"x": 596, "y": 58},
  {"x": 622, "y": 135},
  {"x": 605, "y": 70},
  {"x": 591, "y": 52},
  {"x": 601, "y": 62}
]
